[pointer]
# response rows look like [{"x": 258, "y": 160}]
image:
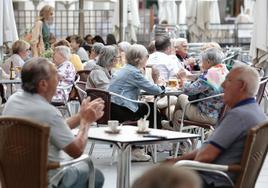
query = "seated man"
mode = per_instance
[
  {"x": 39, "y": 82},
  {"x": 226, "y": 144}
]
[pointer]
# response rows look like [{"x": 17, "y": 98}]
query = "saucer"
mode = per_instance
[
  {"x": 143, "y": 132},
  {"x": 112, "y": 132}
]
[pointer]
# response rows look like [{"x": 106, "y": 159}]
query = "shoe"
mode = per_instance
[
  {"x": 138, "y": 155},
  {"x": 166, "y": 125}
]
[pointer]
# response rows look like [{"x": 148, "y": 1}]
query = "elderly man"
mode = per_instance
[
  {"x": 162, "y": 60},
  {"x": 39, "y": 83},
  {"x": 226, "y": 144}
]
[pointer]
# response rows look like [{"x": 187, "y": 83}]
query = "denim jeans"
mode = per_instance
[{"x": 77, "y": 176}]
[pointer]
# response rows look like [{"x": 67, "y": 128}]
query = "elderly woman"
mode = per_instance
[
  {"x": 94, "y": 55},
  {"x": 123, "y": 47},
  {"x": 20, "y": 53},
  {"x": 100, "y": 74},
  {"x": 66, "y": 72},
  {"x": 207, "y": 84},
  {"x": 74, "y": 58},
  {"x": 128, "y": 82}
]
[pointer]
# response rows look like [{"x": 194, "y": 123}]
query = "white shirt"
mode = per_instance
[{"x": 167, "y": 65}]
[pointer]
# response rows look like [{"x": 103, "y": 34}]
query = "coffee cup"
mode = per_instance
[
  {"x": 113, "y": 125},
  {"x": 143, "y": 125}
]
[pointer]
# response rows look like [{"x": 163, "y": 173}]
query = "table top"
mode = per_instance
[
  {"x": 128, "y": 134},
  {"x": 6, "y": 81}
]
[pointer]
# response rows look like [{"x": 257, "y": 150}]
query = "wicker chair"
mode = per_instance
[
  {"x": 262, "y": 90},
  {"x": 24, "y": 153},
  {"x": 254, "y": 154}
]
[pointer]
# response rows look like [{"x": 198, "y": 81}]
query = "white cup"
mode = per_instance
[
  {"x": 143, "y": 125},
  {"x": 113, "y": 125}
]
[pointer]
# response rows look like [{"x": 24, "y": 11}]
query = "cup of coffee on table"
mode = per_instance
[
  {"x": 143, "y": 125},
  {"x": 113, "y": 125}
]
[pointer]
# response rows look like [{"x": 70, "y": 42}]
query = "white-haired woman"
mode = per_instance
[
  {"x": 123, "y": 47},
  {"x": 66, "y": 72},
  {"x": 128, "y": 82},
  {"x": 94, "y": 55},
  {"x": 100, "y": 74},
  {"x": 207, "y": 84}
]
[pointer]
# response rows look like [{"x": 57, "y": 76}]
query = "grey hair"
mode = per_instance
[
  {"x": 65, "y": 51},
  {"x": 250, "y": 76},
  {"x": 97, "y": 46},
  {"x": 213, "y": 56},
  {"x": 179, "y": 41},
  {"x": 33, "y": 71},
  {"x": 124, "y": 46},
  {"x": 107, "y": 55},
  {"x": 135, "y": 54}
]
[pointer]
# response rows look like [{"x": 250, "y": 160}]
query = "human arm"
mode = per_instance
[
  {"x": 186, "y": 156},
  {"x": 90, "y": 111},
  {"x": 98, "y": 79},
  {"x": 143, "y": 83},
  {"x": 36, "y": 35},
  {"x": 199, "y": 86}
]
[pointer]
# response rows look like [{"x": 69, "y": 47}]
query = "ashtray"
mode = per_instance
[
  {"x": 143, "y": 132},
  {"x": 112, "y": 132}
]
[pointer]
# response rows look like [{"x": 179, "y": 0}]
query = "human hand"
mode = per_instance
[
  {"x": 91, "y": 111},
  {"x": 190, "y": 61},
  {"x": 181, "y": 74}
]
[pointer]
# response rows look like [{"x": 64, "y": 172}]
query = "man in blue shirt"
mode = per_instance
[{"x": 226, "y": 144}]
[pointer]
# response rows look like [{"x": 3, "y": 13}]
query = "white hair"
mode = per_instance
[
  {"x": 135, "y": 53},
  {"x": 179, "y": 41},
  {"x": 124, "y": 46},
  {"x": 65, "y": 51},
  {"x": 250, "y": 76}
]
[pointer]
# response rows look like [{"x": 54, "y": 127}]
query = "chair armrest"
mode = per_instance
[
  {"x": 54, "y": 165},
  {"x": 80, "y": 89},
  {"x": 195, "y": 101},
  {"x": 57, "y": 177},
  {"x": 219, "y": 169},
  {"x": 135, "y": 101}
]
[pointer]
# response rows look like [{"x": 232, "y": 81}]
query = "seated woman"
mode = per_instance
[
  {"x": 128, "y": 82},
  {"x": 94, "y": 56},
  {"x": 207, "y": 84},
  {"x": 74, "y": 58},
  {"x": 100, "y": 74},
  {"x": 66, "y": 73},
  {"x": 20, "y": 53}
]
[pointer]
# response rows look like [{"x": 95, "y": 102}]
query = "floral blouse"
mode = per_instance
[
  {"x": 66, "y": 72},
  {"x": 208, "y": 84}
]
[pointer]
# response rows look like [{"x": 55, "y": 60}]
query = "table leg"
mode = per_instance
[
  {"x": 155, "y": 127},
  {"x": 123, "y": 167}
]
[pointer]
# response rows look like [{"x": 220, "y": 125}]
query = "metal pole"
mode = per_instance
[
  {"x": 81, "y": 25},
  {"x": 121, "y": 21}
]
